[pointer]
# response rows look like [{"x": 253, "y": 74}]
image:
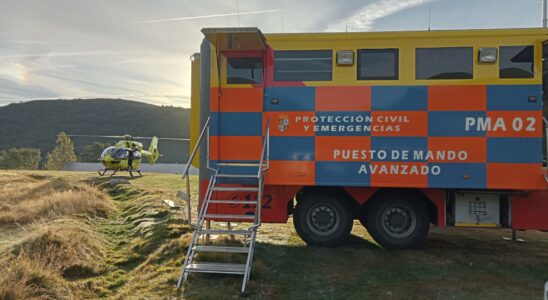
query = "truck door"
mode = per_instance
[
  {"x": 239, "y": 109},
  {"x": 236, "y": 97}
]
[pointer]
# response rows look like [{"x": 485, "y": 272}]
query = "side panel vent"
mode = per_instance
[{"x": 481, "y": 210}]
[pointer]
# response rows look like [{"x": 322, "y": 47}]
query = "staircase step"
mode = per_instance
[
  {"x": 226, "y": 249},
  {"x": 221, "y": 268},
  {"x": 233, "y": 201},
  {"x": 237, "y": 176},
  {"x": 234, "y": 217},
  {"x": 234, "y": 189},
  {"x": 225, "y": 231},
  {"x": 237, "y": 164}
]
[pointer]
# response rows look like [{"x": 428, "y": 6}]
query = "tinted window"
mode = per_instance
[
  {"x": 378, "y": 64},
  {"x": 308, "y": 65},
  {"x": 244, "y": 70},
  {"x": 516, "y": 62},
  {"x": 444, "y": 63}
]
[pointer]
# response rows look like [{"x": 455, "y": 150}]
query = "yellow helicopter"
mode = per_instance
[{"x": 127, "y": 153}]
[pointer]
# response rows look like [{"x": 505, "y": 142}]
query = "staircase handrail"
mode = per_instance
[
  {"x": 265, "y": 151},
  {"x": 546, "y": 149},
  {"x": 265, "y": 158},
  {"x": 195, "y": 150}
]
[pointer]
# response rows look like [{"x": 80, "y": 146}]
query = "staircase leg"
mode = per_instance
[
  {"x": 513, "y": 238},
  {"x": 195, "y": 235},
  {"x": 208, "y": 226}
]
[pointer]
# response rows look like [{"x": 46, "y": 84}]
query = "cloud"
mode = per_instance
[
  {"x": 67, "y": 54},
  {"x": 363, "y": 20},
  {"x": 15, "y": 91},
  {"x": 208, "y": 16},
  {"x": 32, "y": 42}
]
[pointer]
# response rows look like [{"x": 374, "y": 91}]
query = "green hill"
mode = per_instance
[{"x": 37, "y": 123}]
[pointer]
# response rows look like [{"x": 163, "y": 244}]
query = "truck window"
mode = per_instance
[
  {"x": 444, "y": 63},
  {"x": 377, "y": 64},
  {"x": 303, "y": 65},
  {"x": 516, "y": 62},
  {"x": 244, "y": 70}
]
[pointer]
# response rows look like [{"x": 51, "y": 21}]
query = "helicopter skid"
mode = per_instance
[
  {"x": 131, "y": 172},
  {"x": 104, "y": 171}
]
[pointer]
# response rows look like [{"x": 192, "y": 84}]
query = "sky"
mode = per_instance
[{"x": 140, "y": 49}]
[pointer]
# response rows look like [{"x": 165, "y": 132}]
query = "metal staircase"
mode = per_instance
[
  {"x": 200, "y": 241},
  {"x": 545, "y": 165}
]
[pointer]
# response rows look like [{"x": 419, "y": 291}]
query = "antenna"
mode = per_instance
[
  {"x": 238, "y": 11},
  {"x": 544, "y": 14},
  {"x": 430, "y": 15}
]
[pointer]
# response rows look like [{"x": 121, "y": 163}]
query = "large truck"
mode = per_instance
[{"x": 399, "y": 130}]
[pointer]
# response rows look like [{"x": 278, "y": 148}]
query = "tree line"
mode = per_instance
[
  {"x": 110, "y": 117},
  {"x": 31, "y": 158}
]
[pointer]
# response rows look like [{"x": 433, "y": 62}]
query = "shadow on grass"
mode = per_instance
[
  {"x": 452, "y": 263},
  {"x": 279, "y": 270}
]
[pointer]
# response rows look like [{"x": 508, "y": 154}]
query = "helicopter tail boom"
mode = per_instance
[{"x": 152, "y": 154}]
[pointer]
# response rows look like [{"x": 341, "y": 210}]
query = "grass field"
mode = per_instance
[{"x": 69, "y": 235}]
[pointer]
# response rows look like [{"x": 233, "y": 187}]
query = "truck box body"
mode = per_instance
[{"x": 476, "y": 128}]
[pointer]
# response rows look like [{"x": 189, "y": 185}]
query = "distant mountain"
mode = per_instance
[{"x": 37, "y": 123}]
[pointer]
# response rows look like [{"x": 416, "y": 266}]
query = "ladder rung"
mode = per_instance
[
  {"x": 237, "y": 176},
  {"x": 237, "y": 164},
  {"x": 221, "y": 268},
  {"x": 232, "y": 202},
  {"x": 220, "y": 216},
  {"x": 226, "y": 249},
  {"x": 225, "y": 231},
  {"x": 234, "y": 189}
]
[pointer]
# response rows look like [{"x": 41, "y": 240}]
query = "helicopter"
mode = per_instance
[{"x": 126, "y": 154}]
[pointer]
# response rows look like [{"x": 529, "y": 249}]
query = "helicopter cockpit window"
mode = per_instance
[
  {"x": 119, "y": 153},
  {"x": 107, "y": 151}
]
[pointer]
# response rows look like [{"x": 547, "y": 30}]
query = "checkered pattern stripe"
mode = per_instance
[{"x": 481, "y": 136}]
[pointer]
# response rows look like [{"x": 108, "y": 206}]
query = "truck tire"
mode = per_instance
[
  {"x": 397, "y": 221},
  {"x": 323, "y": 220}
]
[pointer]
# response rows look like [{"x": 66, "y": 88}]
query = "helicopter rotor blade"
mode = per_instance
[
  {"x": 97, "y": 136},
  {"x": 123, "y": 137},
  {"x": 167, "y": 139}
]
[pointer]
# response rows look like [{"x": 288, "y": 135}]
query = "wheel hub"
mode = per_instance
[
  {"x": 323, "y": 219},
  {"x": 398, "y": 221}
]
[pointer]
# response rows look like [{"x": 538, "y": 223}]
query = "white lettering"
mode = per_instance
[
  {"x": 499, "y": 123},
  {"x": 531, "y": 126},
  {"x": 469, "y": 122},
  {"x": 517, "y": 124}
]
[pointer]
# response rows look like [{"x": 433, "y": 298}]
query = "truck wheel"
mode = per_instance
[
  {"x": 322, "y": 220},
  {"x": 397, "y": 222}
]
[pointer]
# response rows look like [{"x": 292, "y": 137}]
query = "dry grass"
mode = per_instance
[
  {"x": 140, "y": 246},
  {"x": 68, "y": 251},
  {"x": 48, "y": 239},
  {"x": 25, "y": 279},
  {"x": 26, "y": 200},
  {"x": 46, "y": 263}
]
